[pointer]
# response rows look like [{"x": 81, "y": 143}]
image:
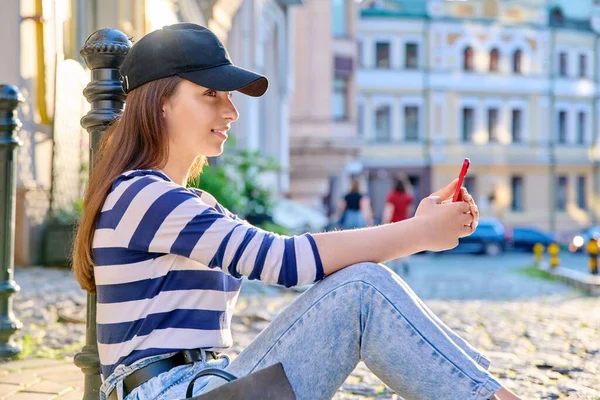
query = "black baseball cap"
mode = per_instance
[{"x": 192, "y": 52}]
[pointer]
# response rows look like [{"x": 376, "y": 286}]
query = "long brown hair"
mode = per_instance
[{"x": 136, "y": 140}]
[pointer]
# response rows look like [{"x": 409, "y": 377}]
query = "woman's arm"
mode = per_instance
[
  {"x": 435, "y": 227},
  {"x": 374, "y": 244}
]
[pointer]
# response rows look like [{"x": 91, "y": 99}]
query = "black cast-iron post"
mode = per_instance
[
  {"x": 10, "y": 98},
  {"x": 103, "y": 52}
]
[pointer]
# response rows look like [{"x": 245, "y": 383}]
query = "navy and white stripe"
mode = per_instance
[{"x": 168, "y": 262}]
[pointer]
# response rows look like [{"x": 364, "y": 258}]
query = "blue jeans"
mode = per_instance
[
  {"x": 363, "y": 312},
  {"x": 353, "y": 219}
]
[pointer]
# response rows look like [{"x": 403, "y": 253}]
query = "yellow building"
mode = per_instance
[{"x": 511, "y": 85}]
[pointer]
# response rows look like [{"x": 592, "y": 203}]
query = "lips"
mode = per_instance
[{"x": 220, "y": 132}]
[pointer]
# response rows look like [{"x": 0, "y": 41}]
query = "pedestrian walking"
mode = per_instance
[{"x": 354, "y": 210}]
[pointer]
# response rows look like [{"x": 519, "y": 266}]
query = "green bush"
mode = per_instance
[{"x": 235, "y": 183}]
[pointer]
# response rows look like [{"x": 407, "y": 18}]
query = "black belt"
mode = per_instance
[{"x": 148, "y": 372}]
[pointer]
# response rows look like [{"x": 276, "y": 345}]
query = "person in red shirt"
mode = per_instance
[{"x": 398, "y": 207}]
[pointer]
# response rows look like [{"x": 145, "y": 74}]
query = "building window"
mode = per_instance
[
  {"x": 517, "y": 62},
  {"x": 383, "y": 128},
  {"x": 469, "y": 184},
  {"x": 516, "y": 184},
  {"x": 563, "y": 63},
  {"x": 361, "y": 119},
  {"x": 494, "y": 60},
  {"x": 581, "y": 192},
  {"x": 382, "y": 50},
  {"x": 411, "y": 123},
  {"x": 468, "y": 59},
  {"x": 561, "y": 195},
  {"x": 339, "y": 106},
  {"x": 468, "y": 124},
  {"x": 516, "y": 127},
  {"x": 581, "y": 125},
  {"x": 339, "y": 20},
  {"x": 582, "y": 66},
  {"x": 411, "y": 56},
  {"x": 562, "y": 127},
  {"x": 493, "y": 127}
]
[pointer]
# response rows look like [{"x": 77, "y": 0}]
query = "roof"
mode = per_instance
[{"x": 576, "y": 14}]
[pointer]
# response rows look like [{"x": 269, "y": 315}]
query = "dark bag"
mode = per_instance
[{"x": 266, "y": 384}]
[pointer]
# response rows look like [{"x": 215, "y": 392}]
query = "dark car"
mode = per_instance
[
  {"x": 524, "y": 238},
  {"x": 490, "y": 238}
]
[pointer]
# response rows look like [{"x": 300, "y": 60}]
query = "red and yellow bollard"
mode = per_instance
[
  {"x": 538, "y": 253},
  {"x": 553, "y": 251},
  {"x": 592, "y": 249}
]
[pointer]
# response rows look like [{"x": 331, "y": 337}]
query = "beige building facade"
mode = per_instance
[
  {"x": 513, "y": 86},
  {"x": 323, "y": 139}
]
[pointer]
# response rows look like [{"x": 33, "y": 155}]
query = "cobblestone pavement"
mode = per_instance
[{"x": 542, "y": 336}]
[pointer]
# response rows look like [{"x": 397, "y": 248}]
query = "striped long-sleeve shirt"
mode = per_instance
[{"x": 168, "y": 267}]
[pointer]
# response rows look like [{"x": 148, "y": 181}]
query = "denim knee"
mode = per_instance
[{"x": 367, "y": 272}]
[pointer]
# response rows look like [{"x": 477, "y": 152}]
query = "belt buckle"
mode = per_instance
[{"x": 191, "y": 356}]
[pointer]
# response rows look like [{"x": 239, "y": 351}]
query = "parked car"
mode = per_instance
[
  {"x": 491, "y": 238},
  {"x": 524, "y": 238},
  {"x": 580, "y": 240}
]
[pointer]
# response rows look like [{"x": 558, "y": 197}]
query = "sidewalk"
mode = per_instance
[{"x": 40, "y": 379}]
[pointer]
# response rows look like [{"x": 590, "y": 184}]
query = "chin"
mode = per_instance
[{"x": 214, "y": 152}]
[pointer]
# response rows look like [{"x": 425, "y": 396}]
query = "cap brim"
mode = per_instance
[{"x": 227, "y": 78}]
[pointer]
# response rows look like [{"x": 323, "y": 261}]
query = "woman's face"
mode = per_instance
[{"x": 198, "y": 119}]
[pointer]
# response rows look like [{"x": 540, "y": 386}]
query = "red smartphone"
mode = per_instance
[{"x": 461, "y": 178}]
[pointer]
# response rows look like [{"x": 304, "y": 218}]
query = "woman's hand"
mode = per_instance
[
  {"x": 444, "y": 221},
  {"x": 473, "y": 209}
]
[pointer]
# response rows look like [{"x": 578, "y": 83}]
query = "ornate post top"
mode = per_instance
[
  {"x": 10, "y": 97},
  {"x": 105, "y": 48}
]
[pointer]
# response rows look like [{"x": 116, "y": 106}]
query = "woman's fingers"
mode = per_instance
[
  {"x": 473, "y": 209},
  {"x": 466, "y": 220},
  {"x": 447, "y": 191}
]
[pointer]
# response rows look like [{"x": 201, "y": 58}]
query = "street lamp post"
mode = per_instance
[
  {"x": 10, "y": 98},
  {"x": 103, "y": 52}
]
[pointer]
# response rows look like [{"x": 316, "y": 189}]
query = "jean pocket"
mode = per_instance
[{"x": 173, "y": 384}]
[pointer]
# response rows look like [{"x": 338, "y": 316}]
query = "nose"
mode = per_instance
[{"x": 229, "y": 111}]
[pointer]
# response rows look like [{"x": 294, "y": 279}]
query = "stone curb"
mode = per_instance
[{"x": 584, "y": 281}]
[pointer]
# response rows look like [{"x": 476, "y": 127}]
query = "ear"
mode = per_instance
[{"x": 166, "y": 106}]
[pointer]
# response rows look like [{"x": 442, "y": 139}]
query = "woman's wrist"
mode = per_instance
[{"x": 416, "y": 233}]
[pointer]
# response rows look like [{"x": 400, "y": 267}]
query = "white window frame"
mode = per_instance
[
  {"x": 377, "y": 101},
  {"x": 393, "y": 41},
  {"x": 575, "y": 178},
  {"x": 498, "y": 104},
  {"x": 569, "y": 134},
  {"x": 413, "y": 101},
  {"x": 469, "y": 102},
  {"x": 524, "y": 107},
  {"x": 587, "y": 109},
  {"x": 418, "y": 40},
  {"x": 558, "y": 50}
]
